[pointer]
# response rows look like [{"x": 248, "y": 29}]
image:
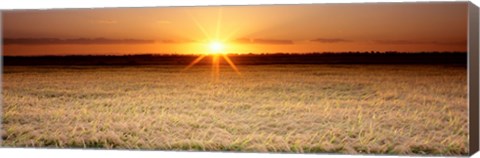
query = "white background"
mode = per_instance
[{"x": 49, "y": 4}]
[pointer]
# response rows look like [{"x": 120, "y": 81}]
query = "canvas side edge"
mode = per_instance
[{"x": 473, "y": 77}]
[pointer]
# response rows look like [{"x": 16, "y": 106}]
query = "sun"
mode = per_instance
[
  {"x": 216, "y": 47},
  {"x": 217, "y": 53}
]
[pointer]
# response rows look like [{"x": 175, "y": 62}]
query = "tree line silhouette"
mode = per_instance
[{"x": 371, "y": 57}]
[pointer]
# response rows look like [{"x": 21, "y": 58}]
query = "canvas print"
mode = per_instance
[{"x": 376, "y": 78}]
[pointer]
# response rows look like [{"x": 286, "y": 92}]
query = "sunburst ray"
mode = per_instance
[
  {"x": 199, "y": 26},
  {"x": 219, "y": 21},
  {"x": 215, "y": 67},
  {"x": 232, "y": 65},
  {"x": 198, "y": 59},
  {"x": 217, "y": 53}
]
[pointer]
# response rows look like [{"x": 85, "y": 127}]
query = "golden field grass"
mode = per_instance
[{"x": 381, "y": 109}]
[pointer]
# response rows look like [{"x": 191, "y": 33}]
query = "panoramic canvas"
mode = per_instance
[{"x": 386, "y": 78}]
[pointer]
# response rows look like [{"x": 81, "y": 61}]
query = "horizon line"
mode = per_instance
[{"x": 250, "y": 53}]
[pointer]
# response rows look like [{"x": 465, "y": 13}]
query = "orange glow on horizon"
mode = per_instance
[{"x": 238, "y": 29}]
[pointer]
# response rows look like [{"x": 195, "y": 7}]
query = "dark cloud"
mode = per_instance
[
  {"x": 45, "y": 41},
  {"x": 168, "y": 41},
  {"x": 244, "y": 40},
  {"x": 398, "y": 42},
  {"x": 330, "y": 40},
  {"x": 272, "y": 41},
  {"x": 410, "y": 42},
  {"x": 263, "y": 41}
]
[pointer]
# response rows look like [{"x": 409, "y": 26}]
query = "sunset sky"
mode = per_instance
[{"x": 241, "y": 29}]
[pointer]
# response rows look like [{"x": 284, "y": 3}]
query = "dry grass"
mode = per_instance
[{"x": 280, "y": 108}]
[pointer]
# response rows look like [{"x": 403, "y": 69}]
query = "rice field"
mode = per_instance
[{"x": 352, "y": 109}]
